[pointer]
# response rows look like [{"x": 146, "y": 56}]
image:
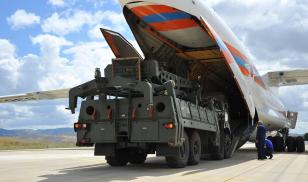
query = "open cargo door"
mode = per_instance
[{"x": 119, "y": 45}]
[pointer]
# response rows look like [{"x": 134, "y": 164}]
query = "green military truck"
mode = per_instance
[{"x": 138, "y": 108}]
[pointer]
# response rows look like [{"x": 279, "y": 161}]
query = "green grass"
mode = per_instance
[{"x": 11, "y": 143}]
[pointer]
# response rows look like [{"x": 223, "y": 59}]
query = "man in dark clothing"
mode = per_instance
[
  {"x": 260, "y": 140},
  {"x": 269, "y": 148}
]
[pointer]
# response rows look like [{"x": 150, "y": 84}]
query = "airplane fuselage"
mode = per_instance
[{"x": 191, "y": 28}]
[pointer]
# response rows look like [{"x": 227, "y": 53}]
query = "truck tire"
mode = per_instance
[
  {"x": 180, "y": 161},
  {"x": 137, "y": 158},
  {"x": 194, "y": 148},
  {"x": 300, "y": 144},
  {"x": 119, "y": 159},
  {"x": 291, "y": 144},
  {"x": 228, "y": 146}
]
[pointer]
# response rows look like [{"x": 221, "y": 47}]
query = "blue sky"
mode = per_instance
[
  {"x": 50, "y": 45},
  {"x": 45, "y": 9},
  {"x": 55, "y": 44}
]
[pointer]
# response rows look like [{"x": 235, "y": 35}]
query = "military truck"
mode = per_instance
[{"x": 138, "y": 108}]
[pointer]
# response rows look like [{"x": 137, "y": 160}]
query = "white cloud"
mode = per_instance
[
  {"x": 59, "y": 3},
  {"x": 101, "y": 3},
  {"x": 50, "y": 45},
  {"x": 70, "y": 22},
  {"x": 117, "y": 20},
  {"x": 9, "y": 65},
  {"x": 61, "y": 108},
  {"x": 51, "y": 69},
  {"x": 59, "y": 72},
  {"x": 64, "y": 25},
  {"x": 22, "y": 111},
  {"x": 21, "y": 19},
  {"x": 95, "y": 33},
  {"x": 301, "y": 128},
  {"x": 36, "y": 115},
  {"x": 7, "y": 49}
]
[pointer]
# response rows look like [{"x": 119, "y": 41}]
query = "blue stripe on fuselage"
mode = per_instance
[
  {"x": 166, "y": 17},
  {"x": 239, "y": 61}
]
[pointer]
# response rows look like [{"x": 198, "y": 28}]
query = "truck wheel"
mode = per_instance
[
  {"x": 228, "y": 146},
  {"x": 300, "y": 144},
  {"x": 194, "y": 148},
  {"x": 119, "y": 159},
  {"x": 291, "y": 144},
  {"x": 181, "y": 159},
  {"x": 137, "y": 158}
]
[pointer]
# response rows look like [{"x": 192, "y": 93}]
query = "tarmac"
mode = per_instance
[{"x": 74, "y": 165}]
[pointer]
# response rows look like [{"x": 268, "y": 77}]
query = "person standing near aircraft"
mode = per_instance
[
  {"x": 260, "y": 140},
  {"x": 269, "y": 148}
]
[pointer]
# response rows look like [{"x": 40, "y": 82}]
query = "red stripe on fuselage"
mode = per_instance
[
  {"x": 174, "y": 25},
  {"x": 244, "y": 70},
  {"x": 236, "y": 52},
  {"x": 259, "y": 81},
  {"x": 142, "y": 11},
  {"x": 228, "y": 56}
]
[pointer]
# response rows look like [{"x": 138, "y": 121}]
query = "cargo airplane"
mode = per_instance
[{"x": 189, "y": 40}]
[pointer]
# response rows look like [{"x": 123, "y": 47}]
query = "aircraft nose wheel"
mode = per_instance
[
  {"x": 300, "y": 144},
  {"x": 228, "y": 146}
]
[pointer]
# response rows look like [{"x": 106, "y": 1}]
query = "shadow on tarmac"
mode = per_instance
[{"x": 154, "y": 167}]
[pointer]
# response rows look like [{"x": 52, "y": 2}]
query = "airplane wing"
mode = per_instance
[
  {"x": 119, "y": 45},
  {"x": 48, "y": 95},
  {"x": 287, "y": 78}
]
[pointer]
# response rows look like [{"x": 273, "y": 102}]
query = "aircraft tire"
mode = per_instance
[
  {"x": 218, "y": 152},
  {"x": 180, "y": 161},
  {"x": 279, "y": 144},
  {"x": 291, "y": 144},
  {"x": 228, "y": 146},
  {"x": 300, "y": 144},
  {"x": 194, "y": 148}
]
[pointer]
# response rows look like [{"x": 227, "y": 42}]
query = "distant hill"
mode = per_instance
[
  {"x": 37, "y": 139},
  {"x": 56, "y": 135}
]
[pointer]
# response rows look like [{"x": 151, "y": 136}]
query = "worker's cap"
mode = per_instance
[{"x": 260, "y": 123}]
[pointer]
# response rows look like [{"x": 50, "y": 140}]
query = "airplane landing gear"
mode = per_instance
[{"x": 284, "y": 141}]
